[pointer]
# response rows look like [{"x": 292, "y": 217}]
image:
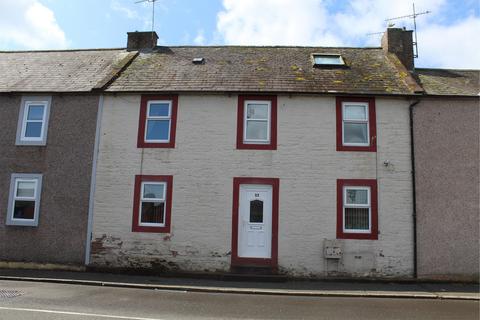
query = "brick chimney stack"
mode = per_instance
[
  {"x": 400, "y": 42},
  {"x": 142, "y": 40}
]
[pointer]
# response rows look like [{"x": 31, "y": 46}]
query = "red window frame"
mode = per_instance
[
  {"x": 240, "y": 261},
  {"x": 372, "y": 183},
  {"x": 136, "y": 203},
  {"x": 372, "y": 123},
  {"x": 141, "y": 143},
  {"x": 273, "y": 123}
]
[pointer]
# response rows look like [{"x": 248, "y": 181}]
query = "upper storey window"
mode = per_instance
[
  {"x": 257, "y": 122},
  {"x": 356, "y": 124},
  {"x": 256, "y": 127},
  {"x": 33, "y": 121},
  {"x": 159, "y": 121},
  {"x": 157, "y": 124}
]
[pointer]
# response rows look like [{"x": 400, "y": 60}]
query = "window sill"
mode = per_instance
[
  {"x": 256, "y": 146},
  {"x": 165, "y": 229},
  {"x": 370, "y": 148},
  {"x": 357, "y": 236},
  {"x": 144, "y": 144},
  {"x": 30, "y": 144}
]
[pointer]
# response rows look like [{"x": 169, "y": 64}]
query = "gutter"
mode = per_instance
[
  {"x": 414, "y": 192},
  {"x": 93, "y": 181}
]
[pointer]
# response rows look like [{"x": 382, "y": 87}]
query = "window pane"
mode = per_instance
[
  {"x": 257, "y": 111},
  {"x": 353, "y": 112},
  {"x": 35, "y": 112},
  {"x": 24, "y": 210},
  {"x": 33, "y": 129},
  {"x": 158, "y": 129},
  {"x": 153, "y": 191},
  {"x": 355, "y": 133},
  {"x": 159, "y": 110},
  {"x": 357, "y": 218},
  {"x": 257, "y": 130},
  {"x": 328, "y": 60},
  {"x": 26, "y": 189},
  {"x": 152, "y": 212},
  {"x": 256, "y": 211},
  {"x": 357, "y": 196}
]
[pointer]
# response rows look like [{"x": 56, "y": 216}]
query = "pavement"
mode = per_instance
[{"x": 307, "y": 288}]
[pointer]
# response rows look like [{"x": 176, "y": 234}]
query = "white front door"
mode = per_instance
[{"x": 255, "y": 221}]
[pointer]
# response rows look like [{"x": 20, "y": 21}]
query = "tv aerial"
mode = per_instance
[
  {"x": 153, "y": 10},
  {"x": 413, "y": 16}
]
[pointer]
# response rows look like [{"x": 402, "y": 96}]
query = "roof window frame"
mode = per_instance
[{"x": 343, "y": 64}]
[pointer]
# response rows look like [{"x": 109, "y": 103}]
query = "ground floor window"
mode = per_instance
[
  {"x": 152, "y": 203},
  {"x": 24, "y": 200},
  {"x": 357, "y": 216}
]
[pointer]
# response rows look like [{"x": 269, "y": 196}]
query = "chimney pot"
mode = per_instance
[
  {"x": 400, "y": 42},
  {"x": 142, "y": 40}
]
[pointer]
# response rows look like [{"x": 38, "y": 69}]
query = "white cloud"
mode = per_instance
[
  {"x": 454, "y": 46},
  {"x": 28, "y": 24},
  {"x": 271, "y": 22},
  {"x": 361, "y": 17},
  {"x": 317, "y": 22},
  {"x": 127, "y": 12},
  {"x": 200, "y": 38},
  {"x": 144, "y": 14}
]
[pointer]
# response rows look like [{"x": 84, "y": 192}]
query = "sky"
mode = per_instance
[{"x": 448, "y": 37}]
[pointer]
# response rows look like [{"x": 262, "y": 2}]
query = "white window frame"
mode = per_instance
[
  {"x": 15, "y": 179},
  {"x": 148, "y": 117},
  {"x": 142, "y": 200},
  {"x": 25, "y": 121},
  {"x": 314, "y": 55},
  {"x": 26, "y": 102},
  {"x": 357, "y": 121},
  {"x": 245, "y": 120},
  {"x": 352, "y": 205}
]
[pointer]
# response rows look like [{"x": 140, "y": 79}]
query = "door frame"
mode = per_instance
[{"x": 240, "y": 261}]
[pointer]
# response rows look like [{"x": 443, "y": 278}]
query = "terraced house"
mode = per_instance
[
  {"x": 447, "y": 168},
  {"x": 299, "y": 161},
  {"x": 293, "y": 159},
  {"x": 49, "y": 110}
]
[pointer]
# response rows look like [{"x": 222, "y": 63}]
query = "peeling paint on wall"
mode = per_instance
[{"x": 306, "y": 162}]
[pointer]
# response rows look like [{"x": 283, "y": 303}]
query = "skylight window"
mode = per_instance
[
  {"x": 328, "y": 60},
  {"x": 198, "y": 60}
]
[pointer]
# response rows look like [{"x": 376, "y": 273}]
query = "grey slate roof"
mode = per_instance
[
  {"x": 449, "y": 81},
  {"x": 264, "y": 69},
  {"x": 59, "y": 71}
]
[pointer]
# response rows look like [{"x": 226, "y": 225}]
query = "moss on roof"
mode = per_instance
[
  {"x": 261, "y": 69},
  {"x": 449, "y": 81}
]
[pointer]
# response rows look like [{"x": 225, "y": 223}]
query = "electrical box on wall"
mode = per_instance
[{"x": 332, "y": 249}]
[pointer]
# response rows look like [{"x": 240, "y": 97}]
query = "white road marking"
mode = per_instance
[{"x": 78, "y": 313}]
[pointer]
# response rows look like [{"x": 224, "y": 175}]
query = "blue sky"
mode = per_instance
[
  {"x": 177, "y": 21},
  {"x": 446, "y": 36}
]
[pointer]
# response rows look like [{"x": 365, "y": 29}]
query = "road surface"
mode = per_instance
[{"x": 21, "y": 300}]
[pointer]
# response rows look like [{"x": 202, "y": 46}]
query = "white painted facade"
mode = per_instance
[{"x": 204, "y": 162}]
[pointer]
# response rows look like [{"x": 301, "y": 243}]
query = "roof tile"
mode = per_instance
[
  {"x": 58, "y": 71},
  {"x": 261, "y": 69},
  {"x": 449, "y": 81}
]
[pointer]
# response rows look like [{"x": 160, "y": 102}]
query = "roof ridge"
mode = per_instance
[
  {"x": 267, "y": 47},
  {"x": 191, "y": 46},
  {"x": 61, "y": 50},
  {"x": 448, "y": 69}
]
